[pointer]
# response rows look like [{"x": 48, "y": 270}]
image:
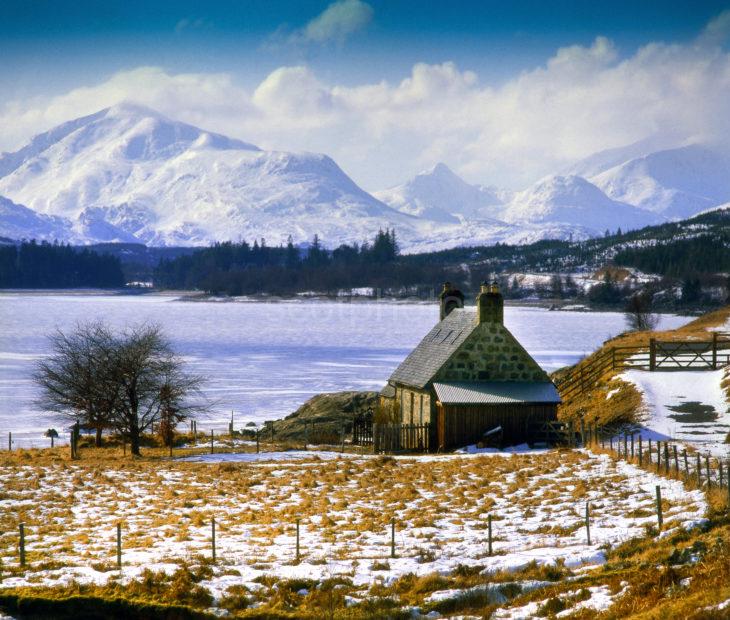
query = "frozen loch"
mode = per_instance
[{"x": 263, "y": 360}]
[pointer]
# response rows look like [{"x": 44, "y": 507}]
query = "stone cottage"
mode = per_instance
[{"x": 469, "y": 376}]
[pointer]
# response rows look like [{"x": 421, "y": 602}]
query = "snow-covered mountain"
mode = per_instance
[
  {"x": 440, "y": 195},
  {"x": 601, "y": 161},
  {"x": 573, "y": 201},
  {"x": 129, "y": 173},
  {"x": 676, "y": 183},
  {"x": 19, "y": 222}
]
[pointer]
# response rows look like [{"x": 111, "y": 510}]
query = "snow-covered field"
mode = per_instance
[
  {"x": 689, "y": 406},
  {"x": 440, "y": 506},
  {"x": 263, "y": 360}
]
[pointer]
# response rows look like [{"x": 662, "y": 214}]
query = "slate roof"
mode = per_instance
[
  {"x": 436, "y": 348},
  {"x": 495, "y": 392},
  {"x": 388, "y": 391}
]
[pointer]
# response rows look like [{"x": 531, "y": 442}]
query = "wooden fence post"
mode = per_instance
[
  {"x": 392, "y": 537},
  {"x": 699, "y": 471},
  {"x": 10, "y": 442},
  {"x": 649, "y": 453},
  {"x": 666, "y": 457},
  {"x": 719, "y": 466},
  {"x": 212, "y": 537},
  {"x": 342, "y": 447},
  {"x": 257, "y": 441},
  {"x": 571, "y": 437},
  {"x": 632, "y": 445},
  {"x": 658, "y": 456},
  {"x": 489, "y": 532},
  {"x": 582, "y": 432},
  {"x": 119, "y": 546},
  {"x": 659, "y": 507},
  {"x": 686, "y": 465},
  {"x": 211, "y": 440},
  {"x": 298, "y": 553},
  {"x": 707, "y": 469},
  {"x": 641, "y": 452},
  {"x": 21, "y": 543},
  {"x": 652, "y": 354},
  {"x": 588, "y": 522},
  {"x": 714, "y": 350},
  {"x": 626, "y": 447},
  {"x": 676, "y": 460}
]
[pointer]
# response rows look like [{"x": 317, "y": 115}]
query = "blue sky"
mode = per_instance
[
  {"x": 335, "y": 56},
  {"x": 49, "y": 44}
]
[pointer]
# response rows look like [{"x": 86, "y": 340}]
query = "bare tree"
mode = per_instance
[
  {"x": 124, "y": 382},
  {"x": 153, "y": 385},
  {"x": 76, "y": 380},
  {"x": 638, "y": 313}
]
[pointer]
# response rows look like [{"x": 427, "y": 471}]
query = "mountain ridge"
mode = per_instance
[{"x": 130, "y": 174}]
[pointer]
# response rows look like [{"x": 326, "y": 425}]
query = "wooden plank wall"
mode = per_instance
[{"x": 466, "y": 424}]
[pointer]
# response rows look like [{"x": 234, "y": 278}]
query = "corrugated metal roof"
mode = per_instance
[
  {"x": 436, "y": 348},
  {"x": 495, "y": 392}
]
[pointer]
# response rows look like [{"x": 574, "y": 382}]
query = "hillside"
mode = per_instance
[
  {"x": 324, "y": 417},
  {"x": 710, "y": 229},
  {"x": 691, "y": 405}
]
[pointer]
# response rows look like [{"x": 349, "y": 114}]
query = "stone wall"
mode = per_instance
[
  {"x": 491, "y": 353},
  {"x": 415, "y": 405}
]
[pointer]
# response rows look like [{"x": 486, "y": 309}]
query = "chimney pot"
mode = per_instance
[{"x": 490, "y": 304}]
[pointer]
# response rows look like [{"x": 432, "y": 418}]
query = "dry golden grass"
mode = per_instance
[
  {"x": 625, "y": 403},
  {"x": 71, "y": 508}
]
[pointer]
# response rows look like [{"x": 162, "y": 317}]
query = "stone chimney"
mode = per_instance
[
  {"x": 449, "y": 298},
  {"x": 490, "y": 304}
]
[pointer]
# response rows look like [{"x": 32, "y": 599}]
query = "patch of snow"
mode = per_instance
[{"x": 704, "y": 416}]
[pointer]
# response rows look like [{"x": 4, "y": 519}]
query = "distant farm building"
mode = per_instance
[{"x": 470, "y": 379}]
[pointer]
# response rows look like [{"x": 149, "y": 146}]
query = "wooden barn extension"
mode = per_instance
[{"x": 466, "y": 411}]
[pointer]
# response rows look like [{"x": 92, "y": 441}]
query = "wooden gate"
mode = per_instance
[
  {"x": 401, "y": 437},
  {"x": 362, "y": 430}
]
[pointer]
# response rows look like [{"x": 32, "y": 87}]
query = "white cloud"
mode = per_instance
[
  {"x": 581, "y": 100},
  {"x": 717, "y": 31},
  {"x": 337, "y": 22}
]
